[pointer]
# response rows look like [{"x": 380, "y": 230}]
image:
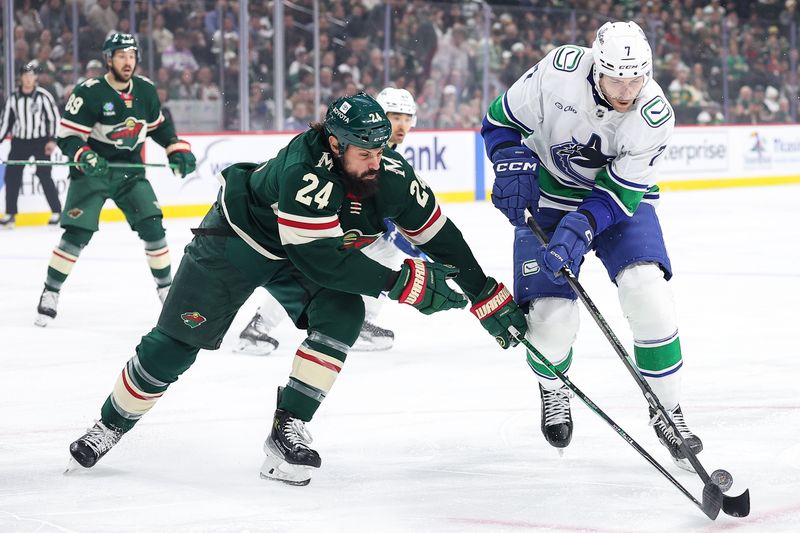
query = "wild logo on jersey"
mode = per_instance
[
  {"x": 126, "y": 135},
  {"x": 356, "y": 240},
  {"x": 585, "y": 155}
]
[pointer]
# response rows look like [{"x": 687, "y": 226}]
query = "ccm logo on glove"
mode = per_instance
[{"x": 515, "y": 166}]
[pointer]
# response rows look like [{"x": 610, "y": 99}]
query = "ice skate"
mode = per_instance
[
  {"x": 8, "y": 222},
  {"x": 255, "y": 340},
  {"x": 54, "y": 220},
  {"x": 162, "y": 293},
  {"x": 289, "y": 459},
  {"x": 373, "y": 338},
  {"x": 47, "y": 308},
  {"x": 556, "y": 416},
  {"x": 670, "y": 440},
  {"x": 97, "y": 441}
]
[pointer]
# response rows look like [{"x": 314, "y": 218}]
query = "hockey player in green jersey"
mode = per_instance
[
  {"x": 107, "y": 119},
  {"x": 279, "y": 225}
]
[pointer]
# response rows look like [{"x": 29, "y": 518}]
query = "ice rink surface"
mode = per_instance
[{"x": 440, "y": 434}]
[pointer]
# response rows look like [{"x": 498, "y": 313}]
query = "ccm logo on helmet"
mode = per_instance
[{"x": 515, "y": 166}]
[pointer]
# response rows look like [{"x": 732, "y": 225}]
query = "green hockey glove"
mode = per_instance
[
  {"x": 181, "y": 158},
  {"x": 424, "y": 285},
  {"x": 498, "y": 311},
  {"x": 90, "y": 163}
]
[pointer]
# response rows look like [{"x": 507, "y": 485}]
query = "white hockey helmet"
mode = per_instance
[
  {"x": 621, "y": 50},
  {"x": 398, "y": 101}
]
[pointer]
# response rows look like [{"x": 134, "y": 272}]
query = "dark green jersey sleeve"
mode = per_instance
[
  {"x": 81, "y": 112},
  {"x": 310, "y": 233},
  {"x": 415, "y": 211}
]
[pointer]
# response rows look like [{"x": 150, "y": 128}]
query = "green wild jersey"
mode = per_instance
[
  {"x": 295, "y": 206},
  {"x": 112, "y": 123}
]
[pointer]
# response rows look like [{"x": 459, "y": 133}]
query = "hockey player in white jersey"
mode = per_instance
[
  {"x": 390, "y": 250},
  {"x": 578, "y": 141}
]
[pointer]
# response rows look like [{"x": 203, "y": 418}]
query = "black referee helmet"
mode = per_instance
[{"x": 31, "y": 66}]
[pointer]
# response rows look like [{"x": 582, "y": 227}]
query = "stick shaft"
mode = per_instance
[{"x": 40, "y": 163}]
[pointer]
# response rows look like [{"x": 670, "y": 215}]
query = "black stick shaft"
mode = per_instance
[
  {"x": 735, "y": 506},
  {"x": 709, "y": 510}
]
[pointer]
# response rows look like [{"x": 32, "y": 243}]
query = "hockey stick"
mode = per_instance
[
  {"x": 738, "y": 506},
  {"x": 712, "y": 494},
  {"x": 73, "y": 164}
]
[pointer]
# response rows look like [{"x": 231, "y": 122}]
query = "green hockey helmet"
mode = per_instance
[
  {"x": 120, "y": 41},
  {"x": 358, "y": 120}
]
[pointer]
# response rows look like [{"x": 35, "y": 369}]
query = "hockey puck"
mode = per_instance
[{"x": 723, "y": 479}]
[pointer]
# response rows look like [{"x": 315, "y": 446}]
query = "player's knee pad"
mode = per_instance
[
  {"x": 163, "y": 357},
  {"x": 337, "y": 315},
  {"x": 553, "y": 326},
  {"x": 647, "y": 302},
  {"x": 150, "y": 229},
  {"x": 76, "y": 237}
]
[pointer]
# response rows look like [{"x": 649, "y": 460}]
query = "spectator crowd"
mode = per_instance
[{"x": 703, "y": 50}]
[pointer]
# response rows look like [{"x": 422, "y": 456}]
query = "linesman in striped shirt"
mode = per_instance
[{"x": 31, "y": 115}]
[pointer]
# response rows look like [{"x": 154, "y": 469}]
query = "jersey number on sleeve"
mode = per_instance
[
  {"x": 73, "y": 104},
  {"x": 321, "y": 198},
  {"x": 417, "y": 189}
]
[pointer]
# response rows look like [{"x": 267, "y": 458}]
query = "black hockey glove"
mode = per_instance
[
  {"x": 424, "y": 285},
  {"x": 498, "y": 311}
]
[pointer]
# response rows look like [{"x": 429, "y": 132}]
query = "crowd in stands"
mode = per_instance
[{"x": 436, "y": 51}]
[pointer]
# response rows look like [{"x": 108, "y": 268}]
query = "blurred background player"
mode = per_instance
[
  {"x": 578, "y": 141},
  {"x": 255, "y": 338},
  {"x": 31, "y": 115},
  {"x": 107, "y": 119}
]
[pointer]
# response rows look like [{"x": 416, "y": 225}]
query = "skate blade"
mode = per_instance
[
  {"x": 42, "y": 321},
  {"x": 684, "y": 464},
  {"x": 279, "y": 470},
  {"x": 72, "y": 466},
  {"x": 250, "y": 348},
  {"x": 370, "y": 346}
]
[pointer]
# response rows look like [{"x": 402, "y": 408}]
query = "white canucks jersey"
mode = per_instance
[{"x": 582, "y": 143}]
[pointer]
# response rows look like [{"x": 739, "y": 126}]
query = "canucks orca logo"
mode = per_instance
[{"x": 584, "y": 155}]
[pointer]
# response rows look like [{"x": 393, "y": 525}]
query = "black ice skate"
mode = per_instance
[
  {"x": 255, "y": 339},
  {"x": 670, "y": 440},
  {"x": 47, "y": 308},
  {"x": 373, "y": 338},
  {"x": 97, "y": 441},
  {"x": 289, "y": 459},
  {"x": 556, "y": 416}
]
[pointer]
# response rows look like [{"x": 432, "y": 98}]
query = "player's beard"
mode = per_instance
[
  {"x": 361, "y": 185},
  {"x": 120, "y": 77}
]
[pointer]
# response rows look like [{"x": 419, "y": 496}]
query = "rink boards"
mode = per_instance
[{"x": 454, "y": 164}]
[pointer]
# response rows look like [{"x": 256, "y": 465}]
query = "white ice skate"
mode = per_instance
[
  {"x": 373, "y": 338},
  {"x": 255, "y": 340}
]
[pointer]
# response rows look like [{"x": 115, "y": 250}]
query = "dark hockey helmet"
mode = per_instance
[
  {"x": 31, "y": 66},
  {"x": 120, "y": 41},
  {"x": 358, "y": 120}
]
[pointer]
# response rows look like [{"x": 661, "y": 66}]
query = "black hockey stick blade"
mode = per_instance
[
  {"x": 712, "y": 500},
  {"x": 738, "y": 506}
]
